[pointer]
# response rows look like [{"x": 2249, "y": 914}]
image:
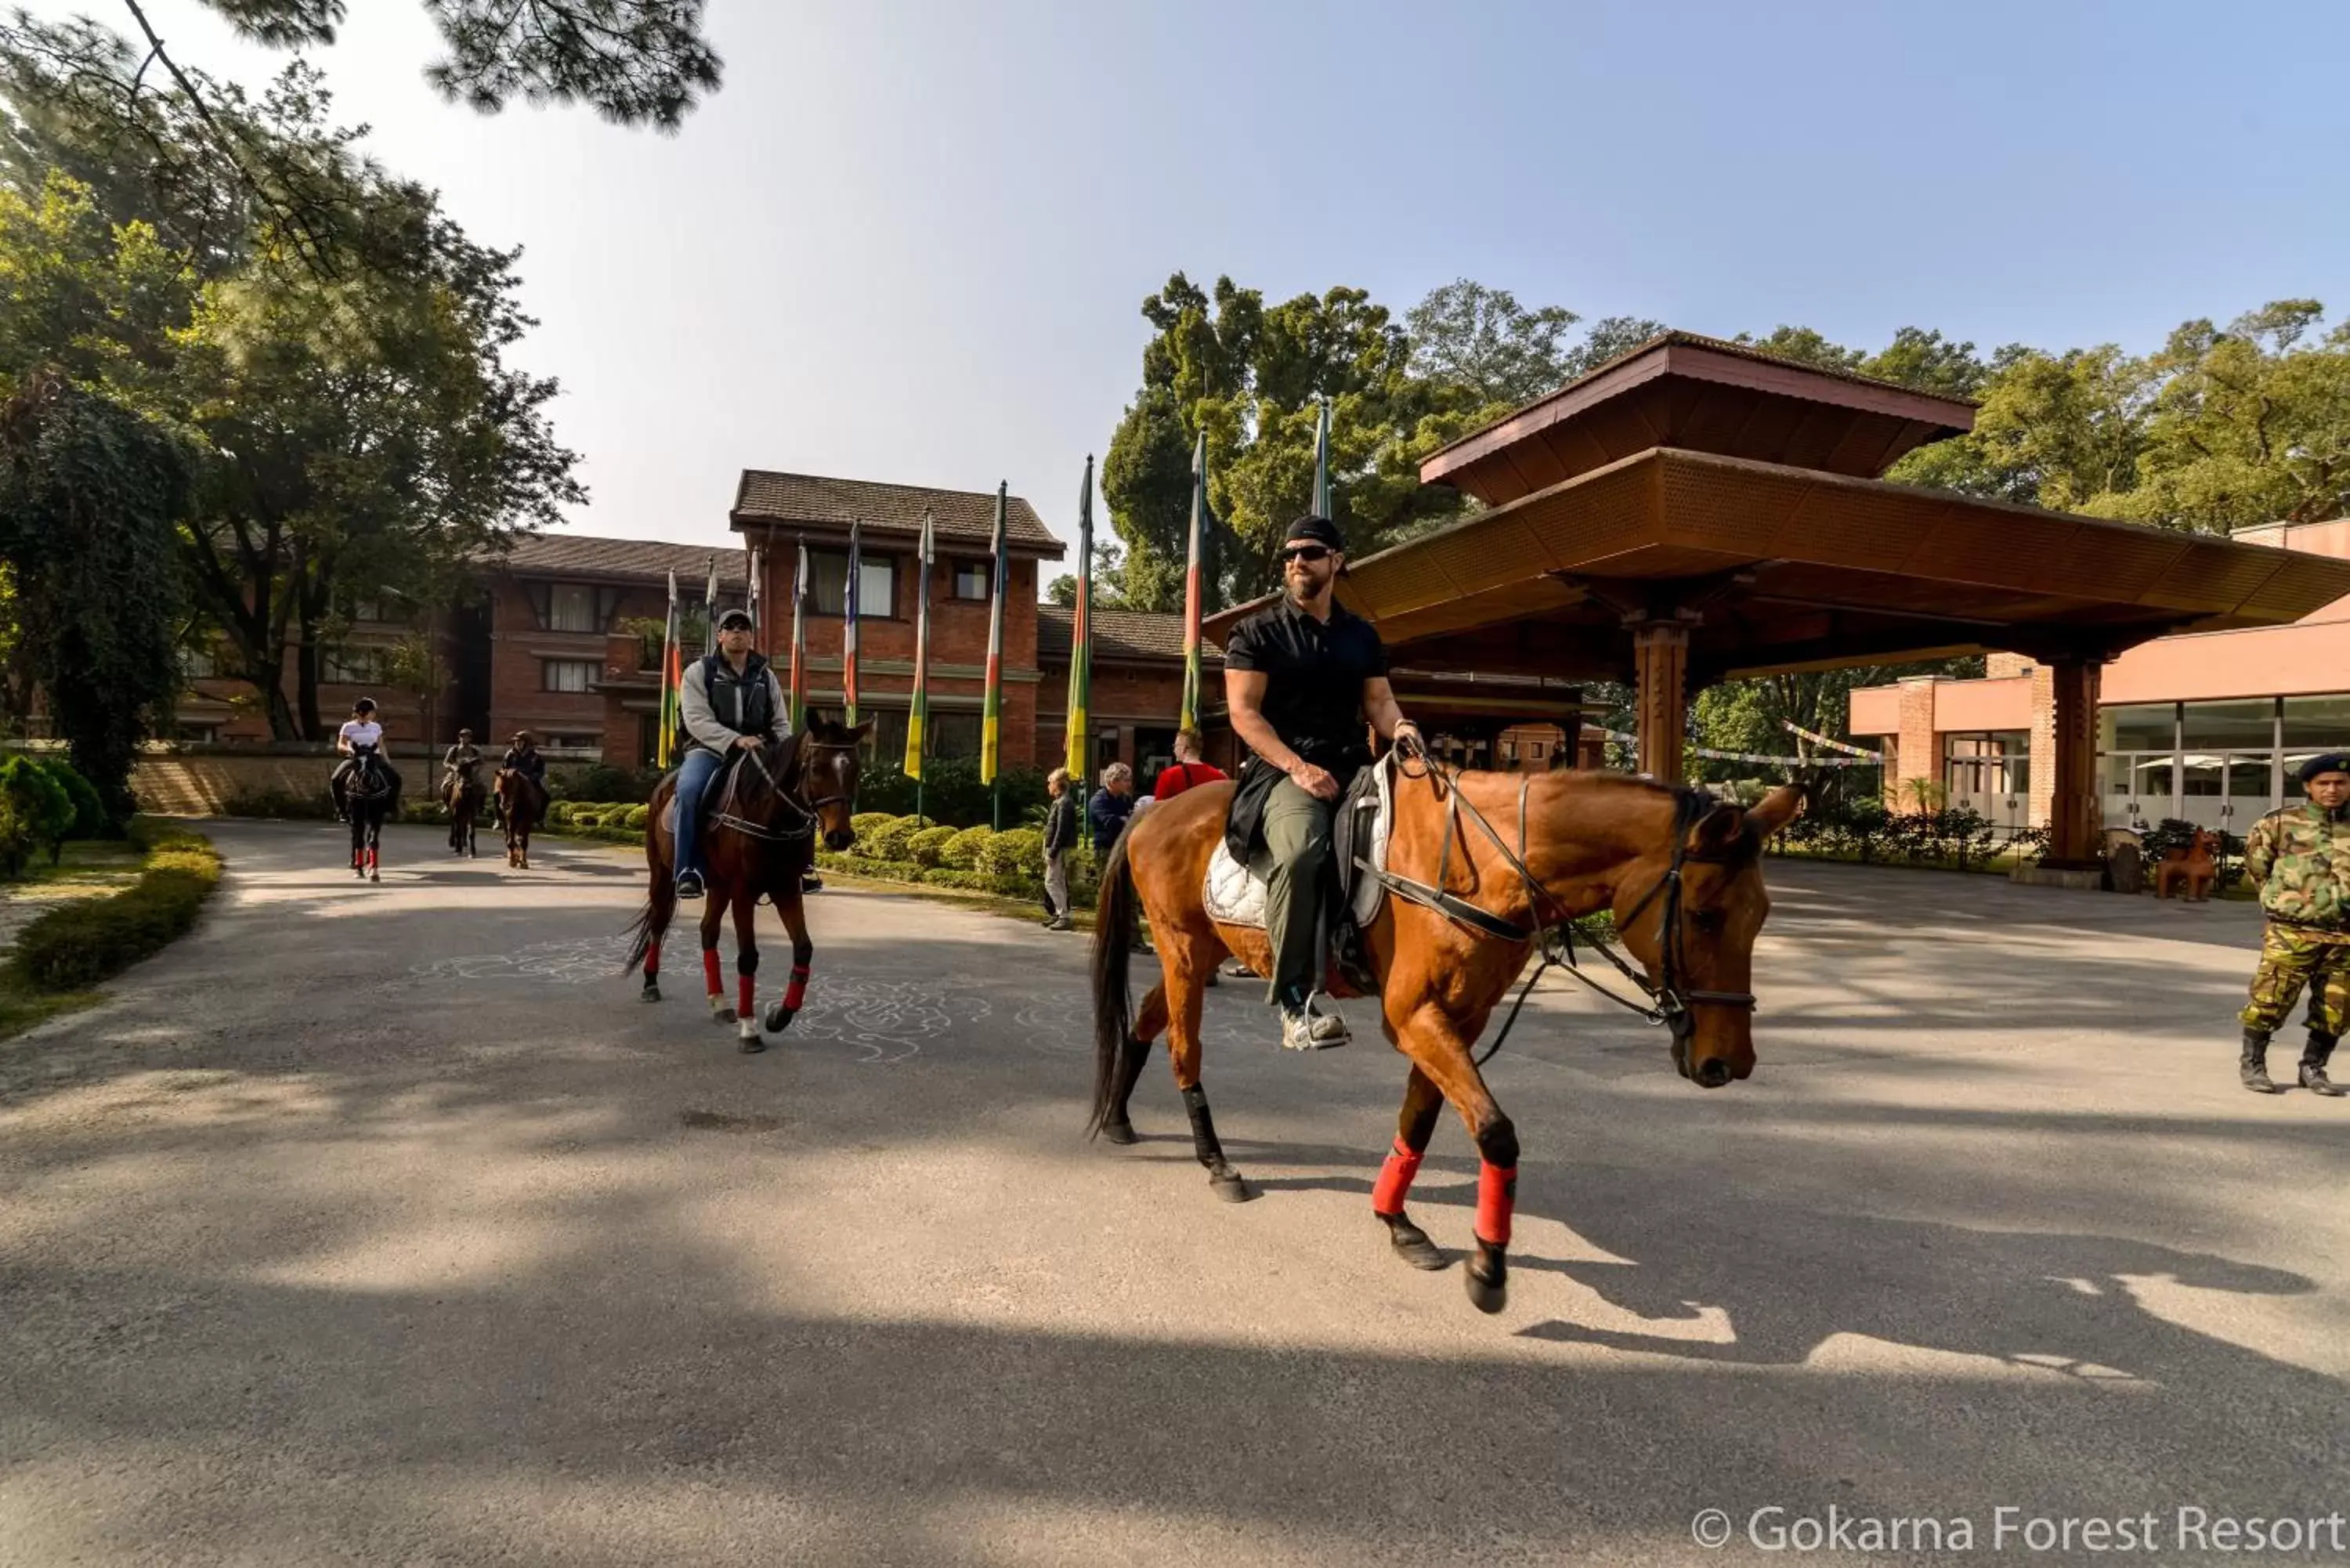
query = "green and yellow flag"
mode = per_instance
[
  {"x": 1190, "y": 719},
  {"x": 672, "y": 685},
  {"x": 918, "y": 710},
  {"x": 1081, "y": 632},
  {"x": 990, "y": 722}
]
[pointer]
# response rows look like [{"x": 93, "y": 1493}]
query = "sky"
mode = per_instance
[{"x": 908, "y": 239}]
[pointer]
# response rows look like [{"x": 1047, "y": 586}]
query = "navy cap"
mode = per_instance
[{"x": 2330, "y": 763}]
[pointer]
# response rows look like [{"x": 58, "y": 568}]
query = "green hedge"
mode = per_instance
[{"x": 76, "y": 945}]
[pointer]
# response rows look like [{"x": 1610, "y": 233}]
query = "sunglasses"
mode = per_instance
[{"x": 1307, "y": 553}]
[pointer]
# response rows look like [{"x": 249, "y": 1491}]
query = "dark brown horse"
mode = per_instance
[
  {"x": 463, "y": 794},
  {"x": 767, "y": 810},
  {"x": 1497, "y": 860},
  {"x": 368, "y": 798},
  {"x": 522, "y": 802}
]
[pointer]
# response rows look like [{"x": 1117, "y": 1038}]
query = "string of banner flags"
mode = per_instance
[{"x": 1851, "y": 756}]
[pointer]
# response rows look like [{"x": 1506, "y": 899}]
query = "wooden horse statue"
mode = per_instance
[{"x": 2194, "y": 865}]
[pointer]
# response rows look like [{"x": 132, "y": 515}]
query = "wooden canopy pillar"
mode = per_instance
[
  {"x": 1660, "y": 662},
  {"x": 2076, "y": 819}
]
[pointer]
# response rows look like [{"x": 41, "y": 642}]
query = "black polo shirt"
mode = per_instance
[{"x": 1315, "y": 672}]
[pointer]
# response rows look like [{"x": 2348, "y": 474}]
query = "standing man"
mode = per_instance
[
  {"x": 1300, "y": 679},
  {"x": 1060, "y": 837},
  {"x": 1105, "y": 813},
  {"x": 2301, "y": 857},
  {"x": 732, "y": 702},
  {"x": 1186, "y": 770}
]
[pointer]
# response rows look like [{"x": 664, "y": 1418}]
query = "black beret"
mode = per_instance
[
  {"x": 1321, "y": 530},
  {"x": 2327, "y": 763}
]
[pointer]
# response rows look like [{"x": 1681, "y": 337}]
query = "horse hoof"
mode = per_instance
[
  {"x": 649, "y": 993},
  {"x": 1230, "y": 1189},
  {"x": 1489, "y": 1280},
  {"x": 1119, "y": 1132},
  {"x": 752, "y": 1045},
  {"x": 722, "y": 1015},
  {"x": 1412, "y": 1245},
  {"x": 777, "y": 1018},
  {"x": 374, "y": 876}
]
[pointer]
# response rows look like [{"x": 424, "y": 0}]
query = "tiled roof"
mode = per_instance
[
  {"x": 647, "y": 560},
  {"x": 1117, "y": 633},
  {"x": 963, "y": 514}
]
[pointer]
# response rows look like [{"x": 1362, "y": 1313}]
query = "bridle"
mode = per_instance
[
  {"x": 1669, "y": 1001},
  {"x": 804, "y": 809}
]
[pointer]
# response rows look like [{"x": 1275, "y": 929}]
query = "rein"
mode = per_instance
[
  {"x": 1668, "y": 1002},
  {"x": 727, "y": 816}
]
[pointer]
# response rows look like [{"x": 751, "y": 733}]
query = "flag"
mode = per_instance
[
  {"x": 709, "y": 606},
  {"x": 1322, "y": 463},
  {"x": 796, "y": 698},
  {"x": 752, "y": 562},
  {"x": 1190, "y": 718},
  {"x": 991, "y": 722},
  {"x": 849, "y": 632},
  {"x": 1081, "y": 640},
  {"x": 672, "y": 684},
  {"x": 917, "y": 708}
]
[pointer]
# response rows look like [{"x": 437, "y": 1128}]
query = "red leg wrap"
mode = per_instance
[
  {"x": 711, "y": 983},
  {"x": 795, "y": 993},
  {"x": 1497, "y": 1200},
  {"x": 746, "y": 987},
  {"x": 1395, "y": 1180},
  {"x": 652, "y": 959}
]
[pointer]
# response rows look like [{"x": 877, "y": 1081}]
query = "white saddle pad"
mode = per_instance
[{"x": 1234, "y": 893}]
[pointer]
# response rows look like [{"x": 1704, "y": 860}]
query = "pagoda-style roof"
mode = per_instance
[{"x": 1699, "y": 394}]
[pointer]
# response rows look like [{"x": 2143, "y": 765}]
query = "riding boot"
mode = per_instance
[
  {"x": 2312, "y": 1065},
  {"x": 2252, "y": 1069}
]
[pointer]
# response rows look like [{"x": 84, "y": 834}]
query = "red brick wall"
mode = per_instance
[{"x": 1917, "y": 754}]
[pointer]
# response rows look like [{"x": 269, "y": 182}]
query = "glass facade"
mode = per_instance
[
  {"x": 1991, "y": 773},
  {"x": 2222, "y": 765}
]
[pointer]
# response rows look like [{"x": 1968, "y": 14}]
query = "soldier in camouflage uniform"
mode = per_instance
[{"x": 2301, "y": 859}]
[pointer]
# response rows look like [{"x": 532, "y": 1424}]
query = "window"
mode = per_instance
[
  {"x": 571, "y": 607},
  {"x": 572, "y": 742},
  {"x": 950, "y": 734},
  {"x": 877, "y": 583},
  {"x": 2230, "y": 725},
  {"x": 196, "y": 663},
  {"x": 349, "y": 666},
  {"x": 191, "y": 732},
  {"x": 973, "y": 580},
  {"x": 367, "y": 609},
  {"x": 2135, "y": 727},
  {"x": 566, "y": 674}
]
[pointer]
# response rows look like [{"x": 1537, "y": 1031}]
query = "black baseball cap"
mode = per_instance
[{"x": 1320, "y": 530}]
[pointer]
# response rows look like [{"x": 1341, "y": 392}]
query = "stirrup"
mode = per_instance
[{"x": 689, "y": 885}]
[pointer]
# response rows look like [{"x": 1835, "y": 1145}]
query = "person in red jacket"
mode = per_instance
[{"x": 1186, "y": 770}]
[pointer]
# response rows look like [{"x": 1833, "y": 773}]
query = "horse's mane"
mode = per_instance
[{"x": 830, "y": 733}]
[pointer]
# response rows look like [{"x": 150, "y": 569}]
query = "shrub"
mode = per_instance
[
  {"x": 427, "y": 812},
  {"x": 90, "y": 812},
  {"x": 637, "y": 817},
  {"x": 1015, "y": 852},
  {"x": 286, "y": 804},
  {"x": 81, "y": 943},
  {"x": 951, "y": 791},
  {"x": 891, "y": 839},
  {"x": 926, "y": 847},
  {"x": 864, "y": 824},
  {"x": 961, "y": 851},
  {"x": 559, "y": 813},
  {"x": 41, "y": 813}
]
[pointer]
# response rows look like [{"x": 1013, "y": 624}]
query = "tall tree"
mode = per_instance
[{"x": 1483, "y": 338}]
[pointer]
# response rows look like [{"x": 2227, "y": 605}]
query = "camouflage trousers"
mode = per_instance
[{"x": 2290, "y": 958}]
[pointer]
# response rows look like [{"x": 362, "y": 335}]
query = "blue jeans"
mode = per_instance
[{"x": 693, "y": 776}]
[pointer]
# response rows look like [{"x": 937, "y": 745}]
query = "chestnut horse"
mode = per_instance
[
  {"x": 1482, "y": 866},
  {"x": 767, "y": 809},
  {"x": 463, "y": 794},
  {"x": 522, "y": 801}
]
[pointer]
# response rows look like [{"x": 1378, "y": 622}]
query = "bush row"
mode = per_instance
[{"x": 81, "y": 943}]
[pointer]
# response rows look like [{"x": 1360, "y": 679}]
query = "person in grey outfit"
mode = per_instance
[{"x": 731, "y": 701}]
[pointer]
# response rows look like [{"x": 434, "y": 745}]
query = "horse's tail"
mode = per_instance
[
  {"x": 1114, "y": 932},
  {"x": 644, "y": 931}
]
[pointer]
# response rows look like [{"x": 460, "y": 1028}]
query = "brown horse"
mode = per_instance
[
  {"x": 769, "y": 806},
  {"x": 463, "y": 794},
  {"x": 522, "y": 802},
  {"x": 1482, "y": 866}
]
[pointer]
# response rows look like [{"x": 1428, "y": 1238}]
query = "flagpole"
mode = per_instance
[
  {"x": 848, "y": 631},
  {"x": 990, "y": 722},
  {"x": 1189, "y": 717},
  {"x": 1081, "y": 647},
  {"x": 918, "y": 708},
  {"x": 1322, "y": 461},
  {"x": 665, "y": 742},
  {"x": 797, "y": 698}
]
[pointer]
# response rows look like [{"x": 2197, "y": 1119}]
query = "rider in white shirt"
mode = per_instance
[{"x": 360, "y": 731}]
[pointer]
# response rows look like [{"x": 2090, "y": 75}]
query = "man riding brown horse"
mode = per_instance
[{"x": 1299, "y": 678}]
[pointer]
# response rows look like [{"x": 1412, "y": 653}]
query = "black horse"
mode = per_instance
[{"x": 368, "y": 797}]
